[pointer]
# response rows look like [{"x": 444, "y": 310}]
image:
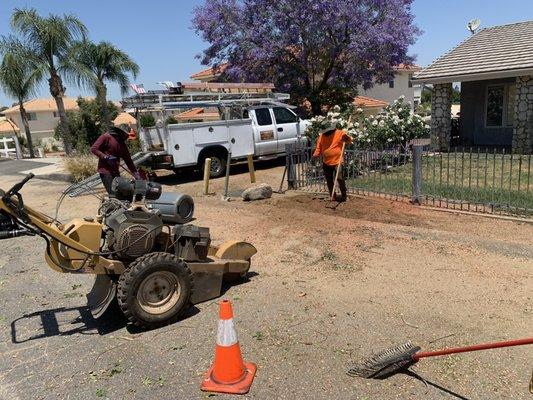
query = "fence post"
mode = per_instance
[
  {"x": 250, "y": 160},
  {"x": 226, "y": 180},
  {"x": 291, "y": 168},
  {"x": 207, "y": 174},
  {"x": 417, "y": 175},
  {"x": 17, "y": 147},
  {"x": 4, "y": 147}
]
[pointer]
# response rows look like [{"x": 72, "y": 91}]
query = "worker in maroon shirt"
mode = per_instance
[{"x": 110, "y": 147}]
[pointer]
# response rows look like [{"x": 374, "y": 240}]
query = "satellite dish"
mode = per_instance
[{"x": 473, "y": 25}]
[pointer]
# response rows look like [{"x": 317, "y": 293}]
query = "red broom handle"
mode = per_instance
[{"x": 476, "y": 347}]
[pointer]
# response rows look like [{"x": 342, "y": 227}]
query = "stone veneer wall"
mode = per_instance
[
  {"x": 441, "y": 120},
  {"x": 523, "y": 132}
]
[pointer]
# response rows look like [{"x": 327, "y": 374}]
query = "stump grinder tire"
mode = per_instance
[{"x": 155, "y": 290}]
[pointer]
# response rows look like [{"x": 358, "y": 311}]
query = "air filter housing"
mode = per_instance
[{"x": 175, "y": 208}]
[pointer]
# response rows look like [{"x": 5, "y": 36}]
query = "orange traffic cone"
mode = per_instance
[{"x": 229, "y": 373}]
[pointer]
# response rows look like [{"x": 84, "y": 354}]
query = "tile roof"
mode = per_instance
[
  {"x": 210, "y": 72},
  {"x": 7, "y": 127},
  {"x": 407, "y": 67},
  {"x": 505, "y": 48},
  {"x": 124, "y": 119},
  {"x": 48, "y": 104},
  {"x": 368, "y": 102}
]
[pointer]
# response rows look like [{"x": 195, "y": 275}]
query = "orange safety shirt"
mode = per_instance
[{"x": 330, "y": 147}]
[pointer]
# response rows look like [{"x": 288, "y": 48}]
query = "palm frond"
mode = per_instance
[
  {"x": 50, "y": 37},
  {"x": 20, "y": 72}
]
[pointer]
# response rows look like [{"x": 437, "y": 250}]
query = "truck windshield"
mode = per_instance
[{"x": 284, "y": 116}]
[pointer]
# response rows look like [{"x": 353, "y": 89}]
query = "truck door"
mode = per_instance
[
  {"x": 287, "y": 126},
  {"x": 266, "y": 138}
]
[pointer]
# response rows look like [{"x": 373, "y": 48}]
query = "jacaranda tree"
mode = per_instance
[{"x": 318, "y": 50}]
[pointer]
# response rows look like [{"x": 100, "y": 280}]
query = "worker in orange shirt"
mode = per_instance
[{"x": 329, "y": 146}]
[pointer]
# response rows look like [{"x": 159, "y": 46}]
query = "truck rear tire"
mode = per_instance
[
  {"x": 155, "y": 290},
  {"x": 218, "y": 165}
]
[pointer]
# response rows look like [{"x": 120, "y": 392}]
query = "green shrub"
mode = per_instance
[
  {"x": 395, "y": 125},
  {"x": 85, "y": 124},
  {"x": 81, "y": 166},
  {"x": 171, "y": 120},
  {"x": 147, "y": 120}
]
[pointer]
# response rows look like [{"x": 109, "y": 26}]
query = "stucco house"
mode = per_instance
[
  {"x": 43, "y": 117},
  {"x": 402, "y": 84},
  {"x": 495, "y": 69}
]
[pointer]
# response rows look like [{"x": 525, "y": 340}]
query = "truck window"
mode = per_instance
[
  {"x": 263, "y": 116},
  {"x": 284, "y": 116}
]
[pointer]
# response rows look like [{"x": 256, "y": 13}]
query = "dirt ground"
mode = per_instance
[{"x": 327, "y": 287}]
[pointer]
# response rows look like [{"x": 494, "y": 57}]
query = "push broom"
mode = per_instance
[{"x": 396, "y": 359}]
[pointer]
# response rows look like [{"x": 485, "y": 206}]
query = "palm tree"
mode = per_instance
[
  {"x": 93, "y": 64},
  {"x": 19, "y": 79},
  {"x": 50, "y": 39}
]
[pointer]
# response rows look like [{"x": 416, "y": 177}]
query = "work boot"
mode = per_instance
[{"x": 342, "y": 199}]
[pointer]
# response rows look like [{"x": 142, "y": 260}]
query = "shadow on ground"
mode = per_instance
[
  {"x": 435, "y": 385},
  {"x": 187, "y": 176},
  {"x": 79, "y": 320}
]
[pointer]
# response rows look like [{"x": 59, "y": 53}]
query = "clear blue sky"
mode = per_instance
[{"x": 158, "y": 36}]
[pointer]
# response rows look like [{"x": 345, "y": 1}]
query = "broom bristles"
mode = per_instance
[{"x": 386, "y": 362}]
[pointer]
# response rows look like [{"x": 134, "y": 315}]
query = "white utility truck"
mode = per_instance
[{"x": 222, "y": 126}]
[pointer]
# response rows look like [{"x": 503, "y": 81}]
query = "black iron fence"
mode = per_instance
[{"x": 480, "y": 180}]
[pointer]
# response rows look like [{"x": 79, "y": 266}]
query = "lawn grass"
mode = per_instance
[{"x": 502, "y": 182}]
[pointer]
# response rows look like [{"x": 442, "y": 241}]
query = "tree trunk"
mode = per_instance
[
  {"x": 24, "y": 118},
  {"x": 316, "y": 105},
  {"x": 58, "y": 91},
  {"x": 101, "y": 97}
]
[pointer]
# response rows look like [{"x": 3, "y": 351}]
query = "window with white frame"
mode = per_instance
[
  {"x": 32, "y": 116},
  {"x": 500, "y": 105}
]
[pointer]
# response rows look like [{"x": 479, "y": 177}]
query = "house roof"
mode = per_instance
[
  {"x": 368, "y": 102},
  {"x": 497, "y": 52},
  {"x": 7, "y": 127},
  {"x": 210, "y": 72},
  {"x": 48, "y": 104},
  {"x": 124, "y": 119},
  {"x": 407, "y": 67}
]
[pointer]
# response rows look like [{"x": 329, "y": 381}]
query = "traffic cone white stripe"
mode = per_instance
[{"x": 226, "y": 336}]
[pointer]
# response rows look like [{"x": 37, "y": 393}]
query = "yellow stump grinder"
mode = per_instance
[{"x": 140, "y": 246}]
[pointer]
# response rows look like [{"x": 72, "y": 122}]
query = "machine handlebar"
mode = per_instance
[{"x": 15, "y": 189}]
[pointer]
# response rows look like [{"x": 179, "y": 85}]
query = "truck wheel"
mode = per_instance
[
  {"x": 155, "y": 290},
  {"x": 218, "y": 165}
]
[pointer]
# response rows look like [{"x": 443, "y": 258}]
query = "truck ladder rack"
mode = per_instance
[{"x": 155, "y": 100}]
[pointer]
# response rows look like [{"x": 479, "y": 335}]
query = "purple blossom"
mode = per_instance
[{"x": 319, "y": 50}]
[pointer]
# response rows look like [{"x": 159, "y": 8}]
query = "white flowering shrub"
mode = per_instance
[{"x": 395, "y": 126}]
